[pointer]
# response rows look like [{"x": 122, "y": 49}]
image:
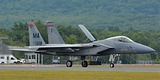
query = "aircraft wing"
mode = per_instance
[
  {"x": 105, "y": 46},
  {"x": 68, "y": 47},
  {"x": 52, "y": 48},
  {"x": 60, "y": 48}
]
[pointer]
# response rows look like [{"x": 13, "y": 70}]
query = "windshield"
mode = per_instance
[{"x": 121, "y": 39}]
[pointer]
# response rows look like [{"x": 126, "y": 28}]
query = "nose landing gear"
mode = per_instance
[
  {"x": 112, "y": 59},
  {"x": 111, "y": 65}
]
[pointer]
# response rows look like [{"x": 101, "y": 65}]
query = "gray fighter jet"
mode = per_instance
[{"x": 110, "y": 46}]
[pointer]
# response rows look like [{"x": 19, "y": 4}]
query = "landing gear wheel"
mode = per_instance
[
  {"x": 111, "y": 65},
  {"x": 84, "y": 63},
  {"x": 69, "y": 63}
]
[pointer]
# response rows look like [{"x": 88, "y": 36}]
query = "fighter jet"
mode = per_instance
[{"x": 108, "y": 46}]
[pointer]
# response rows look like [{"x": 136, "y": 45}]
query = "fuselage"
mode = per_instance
[{"x": 117, "y": 45}]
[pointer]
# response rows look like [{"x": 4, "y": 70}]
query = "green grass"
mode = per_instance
[{"x": 76, "y": 75}]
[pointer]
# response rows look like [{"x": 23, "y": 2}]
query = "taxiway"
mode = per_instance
[{"x": 126, "y": 68}]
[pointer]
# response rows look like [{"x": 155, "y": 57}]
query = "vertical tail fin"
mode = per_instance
[
  {"x": 35, "y": 38},
  {"x": 53, "y": 35}
]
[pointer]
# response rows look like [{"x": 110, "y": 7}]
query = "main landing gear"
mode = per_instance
[
  {"x": 84, "y": 63},
  {"x": 69, "y": 63}
]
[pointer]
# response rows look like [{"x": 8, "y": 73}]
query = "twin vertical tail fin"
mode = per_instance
[
  {"x": 35, "y": 38},
  {"x": 53, "y": 35}
]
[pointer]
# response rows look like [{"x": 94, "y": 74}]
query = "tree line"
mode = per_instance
[
  {"x": 18, "y": 36},
  {"x": 140, "y": 14}
]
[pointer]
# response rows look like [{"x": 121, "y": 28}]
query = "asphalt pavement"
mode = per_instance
[{"x": 126, "y": 68}]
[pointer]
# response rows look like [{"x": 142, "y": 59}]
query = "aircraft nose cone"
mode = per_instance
[
  {"x": 145, "y": 49},
  {"x": 149, "y": 50}
]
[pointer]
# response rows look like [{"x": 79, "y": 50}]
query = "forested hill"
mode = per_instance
[{"x": 137, "y": 14}]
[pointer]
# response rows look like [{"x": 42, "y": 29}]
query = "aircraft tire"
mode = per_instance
[
  {"x": 111, "y": 65},
  {"x": 69, "y": 63},
  {"x": 84, "y": 63}
]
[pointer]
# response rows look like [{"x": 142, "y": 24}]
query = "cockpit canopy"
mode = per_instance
[{"x": 121, "y": 39}]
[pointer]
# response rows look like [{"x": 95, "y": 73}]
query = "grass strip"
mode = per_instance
[{"x": 76, "y": 75}]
